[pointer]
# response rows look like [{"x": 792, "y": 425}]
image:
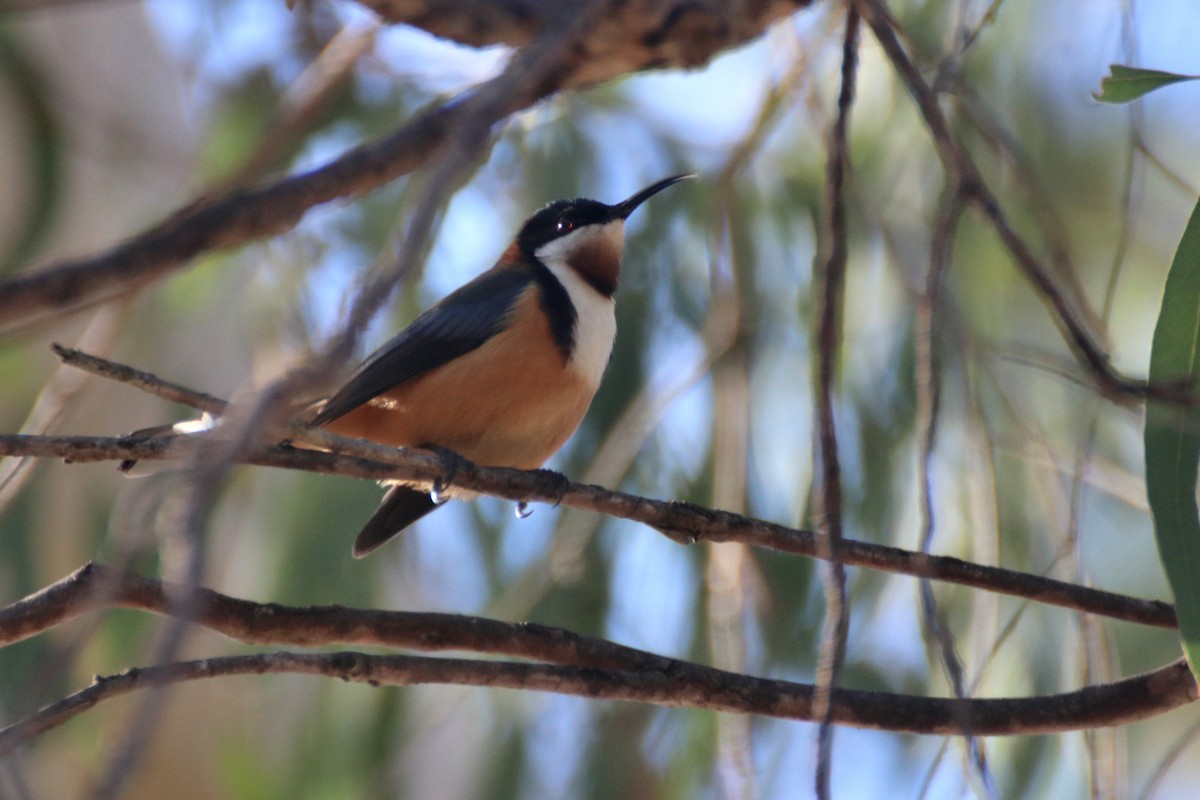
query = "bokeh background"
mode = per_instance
[{"x": 113, "y": 114}]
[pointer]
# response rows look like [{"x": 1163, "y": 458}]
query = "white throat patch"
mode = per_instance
[{"x": 595, "y": 321}]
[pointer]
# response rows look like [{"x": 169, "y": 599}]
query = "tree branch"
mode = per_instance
[
  {"x": 829, "y": 281},
  {"x": 634, "y": 35},
  {"x": 681, "y": 521},
  {"x": 96, "y": 586},
  {"x": 962, "y": 170},
  {"x": 628, "y": 674},
  {"x": 683, "y": 32},
  {"x": 208, "y": 224},
  {"x": 145, "y": 381}
]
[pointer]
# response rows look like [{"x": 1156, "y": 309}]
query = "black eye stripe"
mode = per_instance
[{"x": 559, "y": 219}]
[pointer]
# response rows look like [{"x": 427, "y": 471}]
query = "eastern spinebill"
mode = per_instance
[{"x": 502, "y": 370}]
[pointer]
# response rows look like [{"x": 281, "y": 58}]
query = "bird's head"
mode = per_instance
[{"x": 585, "y": 235}]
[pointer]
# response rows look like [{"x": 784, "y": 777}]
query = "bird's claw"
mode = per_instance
[
  {"x": 560, "y": 482},
  {"x": 451, "y": 463}
]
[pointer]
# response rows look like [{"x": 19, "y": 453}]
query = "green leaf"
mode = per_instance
[
  {"x": 1173, "y": 437},
  {"x": 1125, "y": 84}
]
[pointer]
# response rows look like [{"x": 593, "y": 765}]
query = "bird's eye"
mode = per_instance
[{"x": 563, "y": 225}]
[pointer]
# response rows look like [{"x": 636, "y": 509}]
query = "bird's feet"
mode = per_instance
[
  {"x": 452, "y": 462},
  {"x": 560, "y": 484}
]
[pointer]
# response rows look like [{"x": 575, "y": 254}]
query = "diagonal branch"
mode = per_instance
[
  {"x": 145, "y": 381},
  {"x": 683, "y": 33},
  {"x": 229, "y": 221},
  {"x": 681, "y": 521},
  {"x": 963, "y": 171}
]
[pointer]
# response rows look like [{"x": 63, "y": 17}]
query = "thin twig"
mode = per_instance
[
  {"x": 962, "y": 169},
  {"x": 151, "y": 384},
  {"x": 829, "y": 281},
  {"x": 928, "y": 387},
  {"x": 57, "y": 394},
  {"x": 307, "y": 97}
]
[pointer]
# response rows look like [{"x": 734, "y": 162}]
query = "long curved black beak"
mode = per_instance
[{"x": 623, "y": 209}]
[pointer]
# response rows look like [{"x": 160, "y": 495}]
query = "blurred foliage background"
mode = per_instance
[{"x": 112, "y": 114}]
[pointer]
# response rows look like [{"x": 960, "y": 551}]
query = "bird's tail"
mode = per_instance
[{"x": 400, "y": 507}]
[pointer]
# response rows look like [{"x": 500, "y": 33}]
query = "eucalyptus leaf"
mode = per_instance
[
  {"x": 1126, "y": 84},
  {"x": 1172, "y": 437}
]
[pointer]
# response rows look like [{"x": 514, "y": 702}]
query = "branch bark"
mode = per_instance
[
  {"x": 829, "y": 279},
  {"x": 584, "y": 667},
  {"x": 682, "y": 522},
  {"x": 635, "y": 35}
]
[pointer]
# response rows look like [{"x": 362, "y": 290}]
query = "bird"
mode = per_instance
[{"x": 502, "y": 370}]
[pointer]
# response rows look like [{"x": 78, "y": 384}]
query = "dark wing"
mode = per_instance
[{"x": 462, "y": 321}]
